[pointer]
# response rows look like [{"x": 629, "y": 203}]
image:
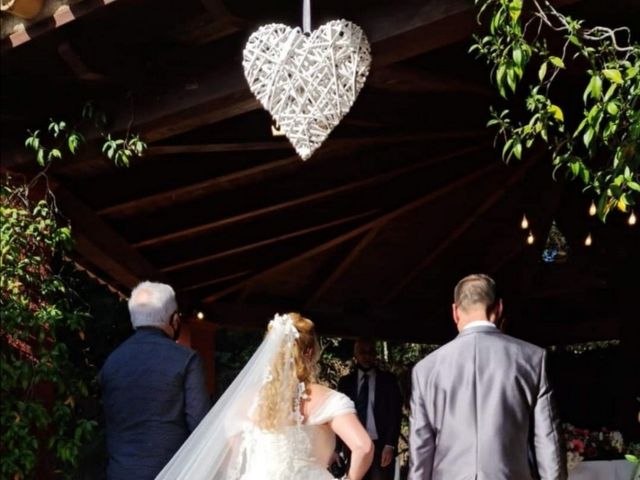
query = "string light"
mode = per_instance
[
  {"x": 200, "y": 315},
  {"x": 588, "y": 241},
  {"x": 525, "y": 223},
  {"x": 530, "y": 238},
  {"x": 592, "y": 209},
  {"x": 632, "y": 219}
]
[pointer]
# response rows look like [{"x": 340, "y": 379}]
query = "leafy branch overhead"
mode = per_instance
[
  {"x": 594, "y": 139},
  {"x": 65, "y": 136}
]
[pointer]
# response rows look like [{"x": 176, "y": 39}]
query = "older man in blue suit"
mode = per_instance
[{"x": 154, "y": 391}]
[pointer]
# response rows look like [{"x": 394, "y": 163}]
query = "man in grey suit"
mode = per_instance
[
  {"x": 481, "y": 405},
  {"x": 153, "y": 390}
]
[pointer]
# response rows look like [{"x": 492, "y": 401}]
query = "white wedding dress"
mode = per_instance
[
  {"x": 297, "y": 452},
  {"x": 228, "y": 444}
]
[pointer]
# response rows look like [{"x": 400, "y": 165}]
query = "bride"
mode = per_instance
[{"x": 274, "y": 422}]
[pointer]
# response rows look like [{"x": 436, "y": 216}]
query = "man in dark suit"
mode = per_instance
[
  {"x": 379, "y": 407},
  {"x": 481, "y": 405},
  {"x": 153, "y": 390}
]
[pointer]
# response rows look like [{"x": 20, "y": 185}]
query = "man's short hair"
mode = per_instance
[
  {"x": 476, "y": 289},
  {"x": 152, "y": 305}
]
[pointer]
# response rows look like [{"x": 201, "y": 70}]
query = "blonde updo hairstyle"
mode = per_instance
[{"x": 278, "y": 397}]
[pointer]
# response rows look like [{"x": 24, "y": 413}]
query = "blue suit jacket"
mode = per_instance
[{"x": 154, "y": 395}]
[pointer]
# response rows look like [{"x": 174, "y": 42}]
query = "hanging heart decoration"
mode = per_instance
[{"x": 307, "y": 82}]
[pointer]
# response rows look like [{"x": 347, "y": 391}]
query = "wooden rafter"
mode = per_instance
[
  {"x": 334, "y": 142},
  {"x": 269, "y": 241},
  {"x": 344, "y": 265},
  {"x": 243, "y": 177},
  {"x": 215, "y": 281},
  {"x": 377, "y": 223},
  {"x": 314, "y": 197},
  {"x": 101, "y": 245},
  {"x": 406, "y": 79},
  {"x": 459, "y": 231},
  {"x": 197, "y": 190}
]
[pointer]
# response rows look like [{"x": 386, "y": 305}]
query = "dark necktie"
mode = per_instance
[{"x": 362, "y": 401}]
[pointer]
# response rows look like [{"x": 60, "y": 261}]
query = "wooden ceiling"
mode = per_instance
[{"x": 370, "y": 235}]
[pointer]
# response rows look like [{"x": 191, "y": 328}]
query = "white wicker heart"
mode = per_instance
[{"x": 307, "y": 83}]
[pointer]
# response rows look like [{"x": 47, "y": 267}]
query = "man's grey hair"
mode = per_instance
[
  {"x": 152, "y": 305},
  {"x": 476, "y": 289}
]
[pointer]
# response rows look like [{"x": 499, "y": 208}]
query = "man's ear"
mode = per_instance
[{"x": 454, "y": 313}]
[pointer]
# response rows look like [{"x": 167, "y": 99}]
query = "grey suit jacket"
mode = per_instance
[{"x": 482, "y": 408}]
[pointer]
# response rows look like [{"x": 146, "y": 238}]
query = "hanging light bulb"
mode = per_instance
[
  {"x": 524, "y": 224},
  {"x": 588, "y": 241},
  {"x": 530, "y": 238},
  {"x": 632, "y": 219},
  {"x": 592, "y": 209}
]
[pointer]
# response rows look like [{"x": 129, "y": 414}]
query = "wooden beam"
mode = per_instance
[
  {"x": 154, "y": 150},
  {"x": 215, "y": 281},
  {"x": 244, "y": 177},
  {"x": 269, "y": 241},
  {"x": 377, "y": 223},
  {"x": 314, "y": 197},
  {"x": 64, "y": 15},
  {"x": 459, "y": 231},
  {"x": 197, "y": 190},
  {"x": 344, "y": 265},
  {"x": 99, "y": 244},
  {"x": 401, "y": 78}
]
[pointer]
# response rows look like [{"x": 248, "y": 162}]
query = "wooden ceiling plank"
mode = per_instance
[
  {"x": 215, "y": 281},
  {"x": 175, "y": 236},
  {"x": 200, "y": 189},
  {"x": 459, "y": 230},
  {"x": 193, "y": 191},
  {"x": 377, "y": 223},
  {"x": 269, "y": 241},
  {"x": 343, "y": 266},
  {"x": 101, "y": 245}
]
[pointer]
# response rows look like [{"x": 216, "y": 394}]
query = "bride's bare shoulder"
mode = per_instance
[{"x": 318, "y": 393}]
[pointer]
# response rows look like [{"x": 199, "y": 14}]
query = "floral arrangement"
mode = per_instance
[{"x": 583, "y": 444}]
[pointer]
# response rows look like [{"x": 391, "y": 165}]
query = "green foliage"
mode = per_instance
[
  {"x": 600, "y": 146},
  {"x": 63, "y": 137},
  {"x": 36, "y": 307},
  {"x": 46, "y": 368}
]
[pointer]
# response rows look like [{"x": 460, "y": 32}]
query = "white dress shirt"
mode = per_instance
[
  {"x": 371, "y": 422},
  {"x": 479, "y": 323}
]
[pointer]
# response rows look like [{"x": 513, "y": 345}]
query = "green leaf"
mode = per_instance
[
  {"x": 543, "y": 71},
  {"x": 511, "y": 80},
  {"x": 515, "y": 9},
  {"x": 575, "y": 168},
  {"x": 557, "y": 61},
  {"x": 517, "y": 150},
  {"x": 54, "y": 153},
  {"x": 556, "y": 111},
  {"x": 634, "y": 186},
  {"x": 588, "y": 136},
  {"x": 631, "y": 72},
  {"x": 610, "y": 91},
  {"x": 612, "y": 108},
  {"x": 517, "y": 56},
  {"x": 573, "y": 39},
  {"x": 595, "y": 87},
  {"x": 632, "y": 458},
  {"x": 613, "y": 75},
  {"x": 40, "y": 157}
]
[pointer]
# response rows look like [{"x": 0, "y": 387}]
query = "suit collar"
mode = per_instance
[{"x": 479, "y": 329}]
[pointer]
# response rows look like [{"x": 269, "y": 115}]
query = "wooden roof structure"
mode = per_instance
[{"x": 371, "y": 234}]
